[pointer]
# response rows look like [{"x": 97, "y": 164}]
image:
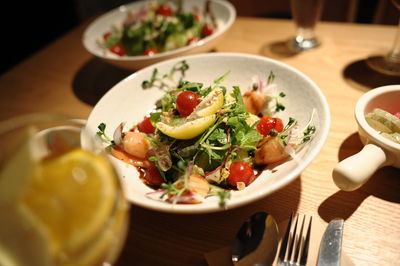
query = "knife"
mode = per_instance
[{"x": 331, "y": 244}]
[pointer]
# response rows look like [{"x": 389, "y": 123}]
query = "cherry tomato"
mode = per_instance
[
  {"x": 150, "y": 51},
  {"x": 266, "y": 124},
  {"x": 192, "y": 40},
  {"x": 118, "y": 49},
  {"x": 207, "y": 30},
  {"x": 186, "y": 102},
  {"x": 196, "y": 17},
  {"x": 145, "y": 126},
  {"x": 106, "y": 35},
  {"x": 240, "y": 172},
  {"x": 164, "y": 10},
  {"x": 153, "y": 177}
]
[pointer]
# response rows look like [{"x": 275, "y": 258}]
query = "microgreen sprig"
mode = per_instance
[
  {"x": 166, "y": 81},
  {"x": 103, "y": 136}
]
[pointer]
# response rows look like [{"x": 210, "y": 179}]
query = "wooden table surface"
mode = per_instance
[{"x": 64, "y": 78}]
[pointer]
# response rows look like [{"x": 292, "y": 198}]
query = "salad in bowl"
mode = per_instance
[
  {"x": 209, "y": 144},
  {"x": 148, "y": 31},
  {"x": 158, "y": 27}
]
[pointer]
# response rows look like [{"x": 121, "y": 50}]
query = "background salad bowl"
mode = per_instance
[
  {"x": 223, "y": 12},
  {"x": 128, "y": 102}
]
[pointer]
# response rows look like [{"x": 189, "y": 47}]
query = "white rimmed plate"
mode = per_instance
[
  {"x": 127, "y": 101},
  {"x": 223, "y": 11}
]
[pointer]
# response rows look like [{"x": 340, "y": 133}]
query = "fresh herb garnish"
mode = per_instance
[
  {"x": 271, "y": 77},
  {"x": 166, "y": 81},
  {"x": 102, "y": 134}
]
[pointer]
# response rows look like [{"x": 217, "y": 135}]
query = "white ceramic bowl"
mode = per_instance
[
  {"x": 127, "y": 101},
  {"x": 224, "y": 12},
  {"x": 378, "y": 151}
]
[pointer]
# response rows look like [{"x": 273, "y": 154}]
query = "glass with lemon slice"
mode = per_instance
[{"x": 60, "y": 204}]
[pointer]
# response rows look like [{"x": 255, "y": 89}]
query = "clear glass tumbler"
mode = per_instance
[
  {"x": 306, "y": 14},
  {"x": 60, "y": 203}
]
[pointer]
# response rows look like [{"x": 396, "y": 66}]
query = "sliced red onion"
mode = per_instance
[
  {"x": 156, "y": 195},
  {"x": 118, "y": 135},
  {"x": 188, "y": 197}
]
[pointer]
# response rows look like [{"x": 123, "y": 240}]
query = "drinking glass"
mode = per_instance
[
  {"x": 61, "y": 202},
  {"x": 306, "y": 14},
  {"x": 389, "y": 63}
]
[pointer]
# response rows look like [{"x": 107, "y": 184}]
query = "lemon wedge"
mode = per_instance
[
  {"x": 72, "y": 195},
  {"x": 202, "y": 117},
  {"x": 187, "y": 130},
  {"x": 211, "y": 104}
]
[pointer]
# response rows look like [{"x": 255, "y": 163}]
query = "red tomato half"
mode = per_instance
[
  {"x": 153, "y": 176},
  {"x": 150, "y": 51},
  {"x": 164, "y": 10},
  {"x": 207, "y": 30},
  {"x": 266, "y": 124},
  {"x": 118, "y": 49},
  {"x": 145, "y": 126},
  {"x": 193, "y": 40},
  {"x": 186, "y": 102},
  {"x": 240, "y": 172}
]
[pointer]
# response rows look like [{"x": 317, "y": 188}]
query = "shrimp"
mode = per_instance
[
  {"x": 254, "y": 101},
  {"x": 136, "y": 144},
  {"x": 270, "y": 150}
]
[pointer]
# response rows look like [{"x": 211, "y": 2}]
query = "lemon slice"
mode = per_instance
[
  {"x": 19, "y": 228},
  {"x": 72, "y": 195},
  {"x": 211, "y": 104},
  {"x": 14, "y": 177},
  {"x": 189, "y": 129}
]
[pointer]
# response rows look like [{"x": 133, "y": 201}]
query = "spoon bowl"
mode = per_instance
[{"x": 256, "y": 242}]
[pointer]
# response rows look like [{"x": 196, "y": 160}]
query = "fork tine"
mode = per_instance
[
  {"x": 293, "y": 240},
  {"x": 304, "y": 253},
  {"x": 299, "y": 241},
  {"x": 295, "y": 244},
  {"x": 283, "y": 248}
]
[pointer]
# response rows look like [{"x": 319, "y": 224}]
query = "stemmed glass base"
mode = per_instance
[
  {"x": 388, "y": 64},
  {"x": 384, "y": 65}
]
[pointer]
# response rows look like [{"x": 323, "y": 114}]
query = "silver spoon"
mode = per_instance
[{"x": 256, "y": 241}]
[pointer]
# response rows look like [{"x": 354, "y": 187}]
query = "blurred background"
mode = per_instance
[{"x": 28, "y": 26}]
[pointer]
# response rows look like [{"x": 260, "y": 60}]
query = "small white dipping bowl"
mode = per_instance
[{"x": 378, "y": 151}]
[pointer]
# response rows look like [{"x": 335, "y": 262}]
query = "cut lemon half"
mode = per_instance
[
  {"x": 72, "y": 195},
  {"x": 189, "y": 129},
  {"x": 211, "y": 104}
]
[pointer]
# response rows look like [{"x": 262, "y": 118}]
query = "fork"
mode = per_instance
[{"x": 294, "y": 246}]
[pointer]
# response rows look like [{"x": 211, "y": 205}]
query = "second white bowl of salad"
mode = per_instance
[
  {"x": 142, "y": 33},
  {"x": 210, "y": 132}
]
